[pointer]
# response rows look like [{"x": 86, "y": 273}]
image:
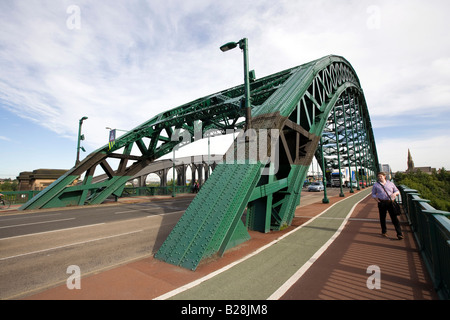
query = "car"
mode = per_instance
[
  {"x": 316, "y": 186},
  {"x": 354, "y": 184}
]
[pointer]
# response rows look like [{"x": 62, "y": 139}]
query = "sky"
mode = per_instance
[{"x": 120, "y": 63}]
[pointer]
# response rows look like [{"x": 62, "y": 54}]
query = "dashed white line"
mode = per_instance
[
  {"x": 41, "y": 222},
  {"x": 44, "y": 232},
  {"x": 69, "y": 245}
]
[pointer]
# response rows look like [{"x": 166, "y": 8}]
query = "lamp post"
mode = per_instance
[
  {"x": 243, "y": 44},
  {"x": 324, "y": 176},
  {"x": 80, "y": 137},
  {"x": 173, "y": 174}
]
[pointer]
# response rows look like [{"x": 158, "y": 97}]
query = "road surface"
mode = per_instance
[{"x": 38, "y": 249}]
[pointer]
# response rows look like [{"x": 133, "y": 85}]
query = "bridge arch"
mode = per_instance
[
  {"x": 297, "y": 114},
  {"x": 301, "y": 111},
  {"x": 313, "y": 101}
]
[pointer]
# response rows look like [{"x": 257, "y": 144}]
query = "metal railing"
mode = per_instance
[
  {"x": 21, "y": 197},
  {"x": 431, "y": 229},
  {"x": 154, "y": 191}
]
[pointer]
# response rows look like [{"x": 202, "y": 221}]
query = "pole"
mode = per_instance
[
  {"x": 353, "y": 142},
  {"x": 324, "y": 179},
  {"x": 341, "y": 194},
  {"x": 243, "y": 44},
  {"x": 209, "y": 155},
  {"x": 348, "y": 147},
  {"x": 80, "y": 123},
  {"x": 173, "y": 174}
]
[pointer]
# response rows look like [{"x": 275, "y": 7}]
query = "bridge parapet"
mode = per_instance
[{"x": 431, "y": 229}]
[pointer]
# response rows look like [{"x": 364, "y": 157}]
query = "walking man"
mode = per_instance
[{"x": 384, "y": 192}]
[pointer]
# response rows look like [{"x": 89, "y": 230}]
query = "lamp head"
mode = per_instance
[{"x": 228, "y": 46}]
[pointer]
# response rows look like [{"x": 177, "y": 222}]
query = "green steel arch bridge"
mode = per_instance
[{"x": 316, "y": 109}]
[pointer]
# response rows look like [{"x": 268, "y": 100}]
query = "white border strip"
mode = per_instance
[
  {"x": 227, "y": 267},
  {"x": 300, "y": 272}
]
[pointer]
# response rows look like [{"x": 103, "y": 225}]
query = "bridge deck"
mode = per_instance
[{"x": 292, "y": 268}]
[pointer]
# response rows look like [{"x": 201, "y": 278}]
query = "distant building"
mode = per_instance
[
  {"x": 385, "y": 168},
  {"x": 428, "y": 170},
  {"x": 38, "y": 179},
  {"x": 412, "y": 168}
]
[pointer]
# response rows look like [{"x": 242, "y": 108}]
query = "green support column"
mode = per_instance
[
  {"x": 341, "y": 194},
  {"x": 325, "y": 198},
  {"x": 366, "y": 150},
  {"x": 173, "y": 174},
  {"x": 361, "y": 152},
  {"x": 346, "y": 141},
  {"x": 269, "y": 201},
  {"x": 353, "y": 142}
]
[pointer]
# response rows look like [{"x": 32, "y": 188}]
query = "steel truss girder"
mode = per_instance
[
  {"x": 309, "y": 102},
  {"x": 352, "y": 132},
  {"x": 151, "y": 140}
]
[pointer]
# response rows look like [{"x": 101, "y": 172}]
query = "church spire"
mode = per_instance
[{"x": 410, "y": 163}]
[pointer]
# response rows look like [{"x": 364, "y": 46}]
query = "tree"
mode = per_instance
[
  {"x": 9, "y": 185},
  {"x": 434, "y": 187}
]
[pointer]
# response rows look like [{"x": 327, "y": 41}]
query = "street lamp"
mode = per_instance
[
  {"x": 80, "y": 137},
  {"x": 243, "y": 44}
]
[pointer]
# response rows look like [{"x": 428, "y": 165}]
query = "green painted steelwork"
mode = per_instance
[
  {"x": 212, "y": 223},
  {"x": 292, "y": 112},
  {"x": 313, "y": 102},
  {"x": 151, "y": 140},
  {"x": 431, "y": 230}
]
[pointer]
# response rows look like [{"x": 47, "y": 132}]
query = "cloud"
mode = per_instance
[
  {"x": 129, "y": 61},
  {"x": 116, "y": 68},
  {"x": 394, "y": 151},
  {"x": 126, "y": 63}
]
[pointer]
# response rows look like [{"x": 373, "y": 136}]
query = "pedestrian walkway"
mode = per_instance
[
  {"x": 12, "y": 208},
  {"x": 349, "y": 268},
  {"x": 332, "y": 251}
]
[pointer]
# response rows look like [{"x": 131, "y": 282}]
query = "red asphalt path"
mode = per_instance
[{"x": 342, "y": 272}]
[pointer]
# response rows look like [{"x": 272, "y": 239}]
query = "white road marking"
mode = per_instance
[
  {"x": 70, "y": 245},
  {"x": 41, "y": 222},
  {"x": 44, "y": 232}
]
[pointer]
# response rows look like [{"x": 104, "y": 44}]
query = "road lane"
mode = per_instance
[
  {"x": 45, "y": 241},
  {"x": 21, "y": 224},
  {"x": 38, "y": 257}
]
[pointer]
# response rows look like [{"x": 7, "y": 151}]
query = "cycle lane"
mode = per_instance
[{"x": 261, "y": 275}]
